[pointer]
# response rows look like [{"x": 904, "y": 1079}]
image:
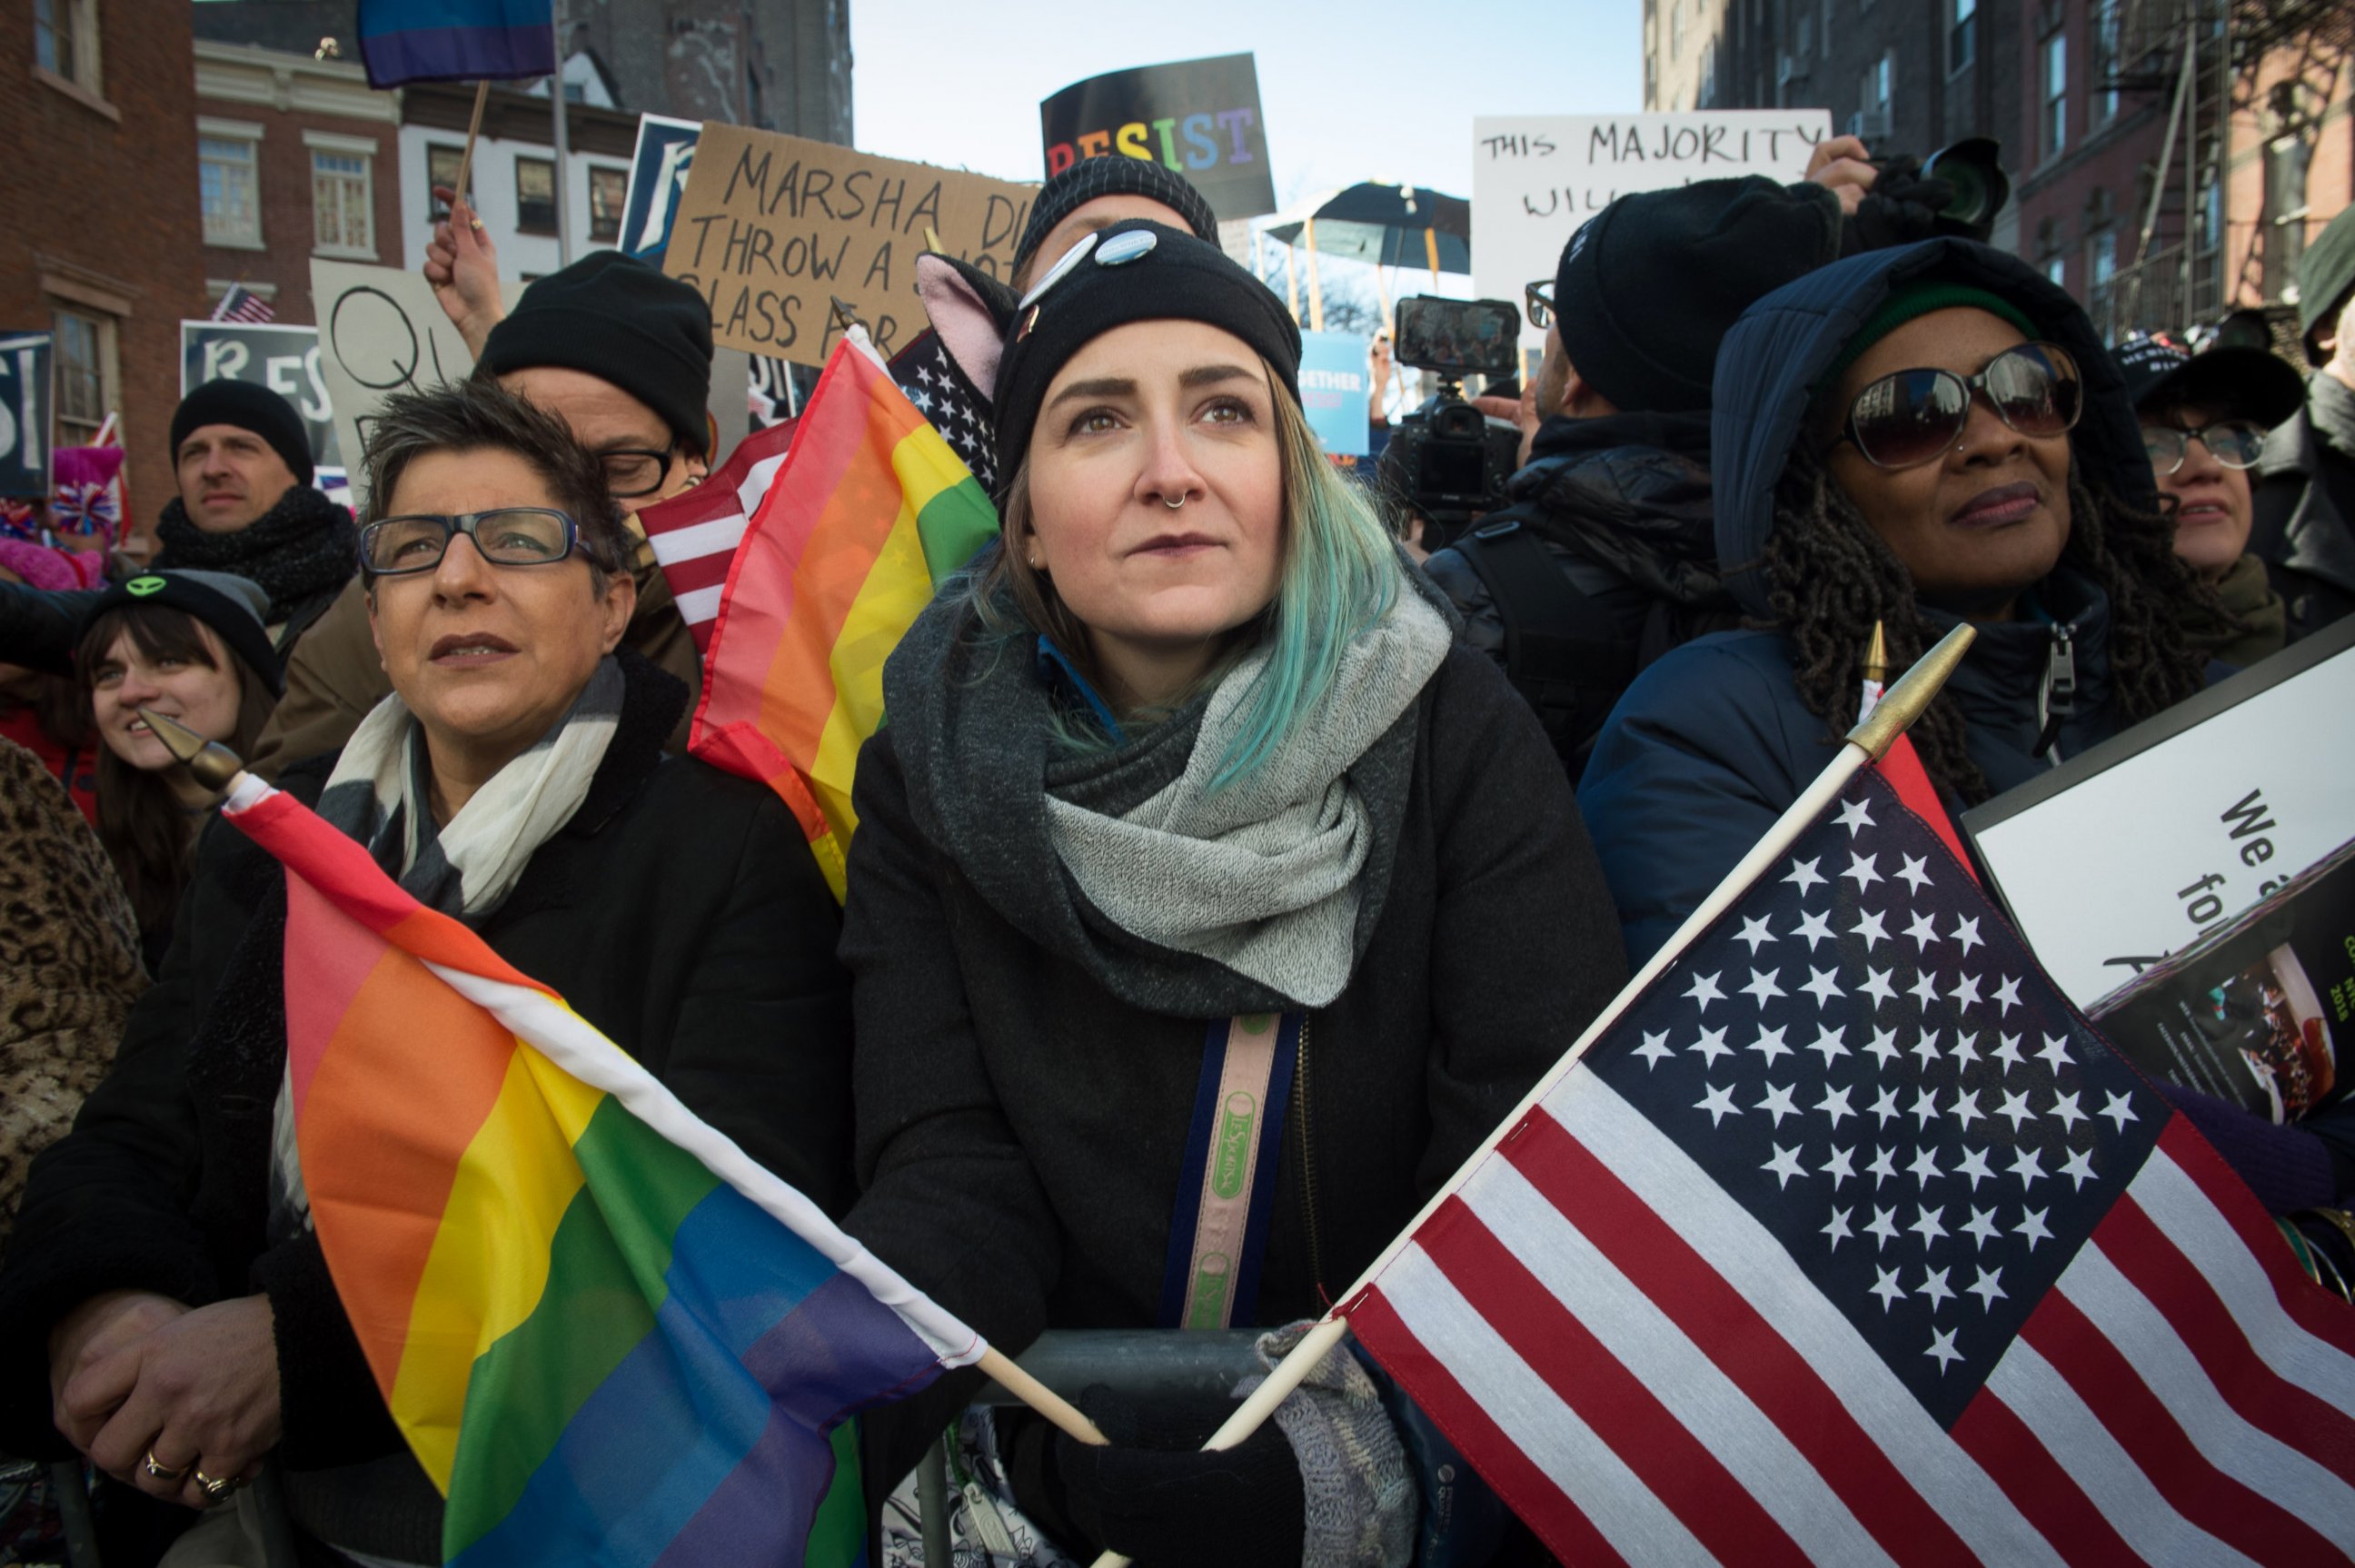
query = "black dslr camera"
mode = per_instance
[{"x": 1447, "y": 462}]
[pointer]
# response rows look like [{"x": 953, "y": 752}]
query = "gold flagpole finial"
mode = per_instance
[
  {"x": 214, "y": 765},
  {"x": 1876, "y": 656},
  {"x": 1906, "y": 699}
]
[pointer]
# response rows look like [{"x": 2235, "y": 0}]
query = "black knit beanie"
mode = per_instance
[
  {"x": 232, "y": 606},
  {"x": 1092, "y": 178},
  {"x": 620, "y": 321},
  {"x": 2326, "y": 276},
  {"x": 1651, "y": 283},
  {"x": 250, "y": 407},
  {"x": 1134, "y": 271}
]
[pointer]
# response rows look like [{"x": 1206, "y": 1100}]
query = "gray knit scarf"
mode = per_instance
[{"x": 1262, "y": 876}]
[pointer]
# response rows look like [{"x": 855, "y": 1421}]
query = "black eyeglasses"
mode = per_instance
[
  {"x": 1912, "y": 417},
  {"x": 2235, "y": 443},
  {"x": 507, "y": 536},
  {"x": 632, "y": 470},
  {"x": 1538, "y": 297}
]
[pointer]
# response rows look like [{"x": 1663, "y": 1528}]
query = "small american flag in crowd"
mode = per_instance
[
  {"x": 241, "y": 303},
  {"x": 1854, "y": 1242},
  {"x": 950, "y": 402},
  {"x": 694, "y": 535}
]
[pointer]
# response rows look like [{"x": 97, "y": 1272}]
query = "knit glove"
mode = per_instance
[
  {"x": 1359, "y": 1500},
  {"x": 1901, "y": 208},
  {"x": 1155, "y": 1496}
]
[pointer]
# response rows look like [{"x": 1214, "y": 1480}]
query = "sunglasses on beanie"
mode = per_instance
[{"x": 1912, "y": 417}]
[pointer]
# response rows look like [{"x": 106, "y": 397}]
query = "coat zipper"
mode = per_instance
[{"x": 1307, "y": 1166}]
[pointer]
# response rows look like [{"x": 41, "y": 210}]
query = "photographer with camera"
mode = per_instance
[
  {"x": 1605, "y": 557},
  {"x": 1445, "y": 466}
]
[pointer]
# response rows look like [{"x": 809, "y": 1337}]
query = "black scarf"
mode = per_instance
[{"x": 303, "y": 549}]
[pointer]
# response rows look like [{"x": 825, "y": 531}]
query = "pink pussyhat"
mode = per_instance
[{"x": 42, "y": 567}]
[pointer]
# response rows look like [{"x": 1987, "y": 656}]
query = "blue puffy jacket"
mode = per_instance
[{"x": 1713, "y": 742}]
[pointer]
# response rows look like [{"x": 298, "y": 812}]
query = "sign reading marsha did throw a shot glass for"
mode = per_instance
[
  {"x": 1537, "y": 178},
  {"x": 2138, "y": 847},
  {"x": 1199, "y": 117}
]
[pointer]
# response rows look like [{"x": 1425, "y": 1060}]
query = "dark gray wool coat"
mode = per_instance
[{"x": 1022, "y": 1118}]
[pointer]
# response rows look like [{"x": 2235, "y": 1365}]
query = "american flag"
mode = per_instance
[
  {"x": 241, "y": 303},
  {"x": 954, "y": 407},
  {"x": 1854, "y": 1242},
  {"x": 694, "y": 535}
]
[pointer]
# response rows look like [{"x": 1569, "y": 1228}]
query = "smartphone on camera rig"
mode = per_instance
[{"x": 1447, "y": 462}]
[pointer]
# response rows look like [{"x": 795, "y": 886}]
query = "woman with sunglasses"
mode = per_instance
[
  {"x": 1914, "y": 438},
  {"x": 2204, "y": 422},
  {"x": 166, "y": 1302}
]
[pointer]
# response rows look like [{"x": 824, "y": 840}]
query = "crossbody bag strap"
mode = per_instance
[{"x": 1226, "y": 1189}]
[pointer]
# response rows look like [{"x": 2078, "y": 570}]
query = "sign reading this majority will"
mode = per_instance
[
  {"x": 771, "y": 228},
  {"x": 1537, "y": 178},
  {"x": 1199, "y": 117}
]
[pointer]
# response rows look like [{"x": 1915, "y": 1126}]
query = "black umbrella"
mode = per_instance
[{"x": 1388, "y": 226}]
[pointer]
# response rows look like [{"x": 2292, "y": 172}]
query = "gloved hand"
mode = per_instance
[
  {"x": 1901, "y": 208},
  {"x": 1153, "y": 1496}
]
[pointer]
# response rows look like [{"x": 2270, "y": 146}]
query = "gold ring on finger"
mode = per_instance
[
  {"x": 216, "y": 1489},
  {"x": 159, "y": 1470}
]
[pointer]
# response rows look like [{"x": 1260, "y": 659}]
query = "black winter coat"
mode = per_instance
[
  {"x": 1021, "y": 1129},
  {"x": 2306, "y": 543},
  {"x": 1620, "y": 505},
  {"x": 679, "y": 911}
]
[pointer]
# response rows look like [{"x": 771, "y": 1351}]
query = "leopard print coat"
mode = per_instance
[{"x": 68, "y": 965}]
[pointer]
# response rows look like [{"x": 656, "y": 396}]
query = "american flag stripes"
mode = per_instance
[
  {"x": 241, "y": 303},
  {"x": 1854, "y": 1242},
  {"x": 694, "y": 535}
]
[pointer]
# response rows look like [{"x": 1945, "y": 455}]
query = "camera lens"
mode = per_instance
[{"x": 1973, "y": 168}]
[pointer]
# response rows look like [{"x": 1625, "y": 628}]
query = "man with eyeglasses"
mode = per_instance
[
  {"x": 2204, "y": 419},
  {"x": 2305, "y": 495},
  {"x": 622, "y": 356},
  {"x": 1605, "y": 557}
]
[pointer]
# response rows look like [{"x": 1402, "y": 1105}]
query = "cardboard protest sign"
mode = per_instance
[
  {"x": 283, "y": 359},
  {"x": 26, "y": 361},
  {"x": 773, "y": 228},
  {"x": 659, "y": 171},
  {"x": 2134, "y": 849},
  {"x": 382, "y": 331},
  {"x": 1333, "y": 390},
  {"x": 1199, "y": 117},
  {"x": 1535, "y": 177}
]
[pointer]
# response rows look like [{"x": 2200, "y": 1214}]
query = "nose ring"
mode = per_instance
[{"x": 1173, "y": 506}]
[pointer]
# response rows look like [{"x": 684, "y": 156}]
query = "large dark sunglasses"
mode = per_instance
[
  {"x": 1912, "y": 417},
  {"x": 2235, "y": 443},
  {"x": 1538, "y": 297},
  {"x": 632, "y": 471},
  {"x": 507, "y": 536}
]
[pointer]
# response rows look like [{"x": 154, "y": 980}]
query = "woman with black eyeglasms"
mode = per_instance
[
  {"x": 1919, "y": 437},
  {"x": 165, "y": 1305}
]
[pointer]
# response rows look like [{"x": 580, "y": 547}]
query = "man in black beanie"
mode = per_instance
[
  {"x": 2304, "y": 495},
  {"x": 1605, "y": 557},
  {"x": 622, "y": 354},
  {"x": 246, "y": 505}
]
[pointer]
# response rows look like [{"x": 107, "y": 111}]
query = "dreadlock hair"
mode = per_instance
[{"x": 1830, "y": 577}]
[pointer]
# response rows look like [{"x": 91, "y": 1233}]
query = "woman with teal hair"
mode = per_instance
[{"x": 1209, "y": 904}]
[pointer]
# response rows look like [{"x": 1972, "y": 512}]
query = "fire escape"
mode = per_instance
[{"x": 2204, "y": 57}]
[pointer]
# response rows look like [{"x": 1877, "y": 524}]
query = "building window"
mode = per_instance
[
  {"x": 2101, "y": 103},
  {"x": 536, "y": 196},
  {"x": 64, "y": 41},
  {"x": 343, "y": 202},
  {"x": 1962, "y": 36},
  {"x": 2288, "y": 159},
  {"x": 229, "y": 183},
  {"x": 608, "y": 190},
  {"x": 85, "y": 375},
  {"x": 2054, "y": 257},
  {"x": 1806, "y": 43},
  {"x": 2054, "y": 55},
  {"x": 1824, "y": 33},
  {"x": 2056, "y": 271},
  {"x": 441, "y": 169}
]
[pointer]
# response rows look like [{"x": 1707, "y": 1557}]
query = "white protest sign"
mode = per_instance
[
  {"x": 382, "y": 331},
  {"x": 2134, "y": 848},
  {"x": 1535, "y": 177}
]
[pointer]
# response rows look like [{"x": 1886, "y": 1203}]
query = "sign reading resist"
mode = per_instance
[
  {"x": 1200, "y": 118},
  {"x": 1535, "y": 177}
]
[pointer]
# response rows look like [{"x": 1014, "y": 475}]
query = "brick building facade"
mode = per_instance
[
  {"x": 296, "y": 157},
  {"x": 107, "y": 253}
]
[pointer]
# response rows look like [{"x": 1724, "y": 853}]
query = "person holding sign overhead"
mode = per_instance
[
  {"x": 1190, "y": 817},
  {"x": 622, "y": 355}
]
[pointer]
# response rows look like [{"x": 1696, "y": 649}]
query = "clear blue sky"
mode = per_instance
[{"x": 1368, "y": 90}]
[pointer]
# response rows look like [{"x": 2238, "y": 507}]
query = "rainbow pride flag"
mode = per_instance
[
  {"x": 607, "y": 1334},
  {"x": 869, "y": 512}
]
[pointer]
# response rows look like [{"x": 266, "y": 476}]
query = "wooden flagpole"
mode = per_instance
[
  {"x": 466, "y": 158},
  {"x": 1867, "y": 743}
]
